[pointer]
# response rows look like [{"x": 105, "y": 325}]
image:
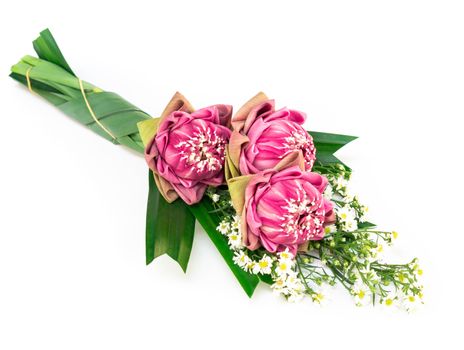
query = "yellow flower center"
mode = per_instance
[{"x": 388, "y": 302}]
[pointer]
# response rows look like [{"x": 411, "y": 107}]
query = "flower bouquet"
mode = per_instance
[{"x": 270, "y": 195}]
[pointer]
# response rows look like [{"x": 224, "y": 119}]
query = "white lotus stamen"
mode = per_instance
[{"x": 204, "y": 150}]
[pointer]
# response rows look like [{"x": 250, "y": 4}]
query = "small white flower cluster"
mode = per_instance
[
  {"x": 215, "y": 197},
  {"x": 408, "y": 299},
  {"x": 285, "y": 277},
  {"x": 361, "y": 293},
  {"x": 348, "y": 209},
  {"x": 281, "y": 267},
  {"x": 347, "y": 218},
  {"x": 341, "y": 185},
  {"x": 262, "y": 266},
  {"x": 231, "y": 228}
]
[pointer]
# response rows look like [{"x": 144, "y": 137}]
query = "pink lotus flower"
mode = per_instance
[
  {"x": 187, "y": 151},
  {"x": 285, "y": 209},
  {"x": 262, "y": 137}
]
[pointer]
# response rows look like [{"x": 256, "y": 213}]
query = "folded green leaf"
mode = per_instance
[
  {"x": 47, "y": 49},
  {"x": 170, "y": 227},
  {"x": 330, "y": 143},
  {"x": 327, "y": 144},
  {"x": 52, "y": 78},
  {"x": 365, "y": 225}
]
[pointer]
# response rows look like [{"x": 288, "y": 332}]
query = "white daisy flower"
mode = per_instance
[
  {"x": 350, "y": 225},
  {"x": 410, "y": 302},
  {"x": 294, "y": 283},
  {"x": 235, "y": 225},
  {"x": 340, "y": 184},
  {"x": 241, "y": 259},
  {"x": 285, "y": 255},
  {"x": 235, "y": 240},
  {"x": 390, "y": 300},
  {"x": 330, "y": 229},
  {"x": 250, "y": 266},
  {"x": 224, "y": 227},
  {"x": 263, "y": 266},
  {"x": 319, "y": 298},
  {"x": 284, "y": 267},
  {"x": 279, "y": 287},
  {"x": 346, "y": 213},
  {"x": 348, "y": 197},
  {"x": 364, "y": 211},
  {"x": 361, "y": 293},
  {"x": 290, "y": 286},
  {"x": 416, "y": 268},
  {"x": 215, "y": 197},
  {"x": 328, "y": 193}
]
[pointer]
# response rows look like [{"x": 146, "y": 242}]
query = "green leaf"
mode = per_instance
[
  {"x": 209, "y": 221},
  {"x": 170, "y": 227},
  {"x": 330, "y": 143},
  {"x": 266, "y": 279},
  {"x": 366, "y": 225},
  {"x": 327, "y": 144},
  {"x": 326, "y": 158},
  {"x": 47, "y": 49}
]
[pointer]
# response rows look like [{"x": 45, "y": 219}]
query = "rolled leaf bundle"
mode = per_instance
[{"x": 51, "y": 77}]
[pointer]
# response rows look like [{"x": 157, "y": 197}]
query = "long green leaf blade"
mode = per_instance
[
  {"x": 209, "y": 221},
  {"x": 170, "y": 228},
  {"x": 330, "y": 143},
  {"x": 327, "y": 144},
  {"x": 47, "y": 49}
]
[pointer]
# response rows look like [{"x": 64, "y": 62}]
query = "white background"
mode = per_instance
[{"x": 72, "y": 272}]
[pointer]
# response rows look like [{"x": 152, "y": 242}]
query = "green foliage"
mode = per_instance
[
  {"x": 52, "y": 78},
  {"x": 327, "y": 144},
  {"x": 209, "y": 220},
  {"x": 169, "y": 229}
]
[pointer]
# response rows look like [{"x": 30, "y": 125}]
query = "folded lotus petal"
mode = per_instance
[
  {"x": 165, "y": 188},
  {"x": 190, "y": 195},
  {"x": 294, "y": 158},
  {"x": 250, "y": 241},
  {"x": 230, "y": 169},
  {"x": 225, "y": 114},
  {"x": 237, "y": 187},
  {"x": 235, "y": 147},
  {"x": 241, "y": 115},
  {"x": 178, "y": 103}
]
